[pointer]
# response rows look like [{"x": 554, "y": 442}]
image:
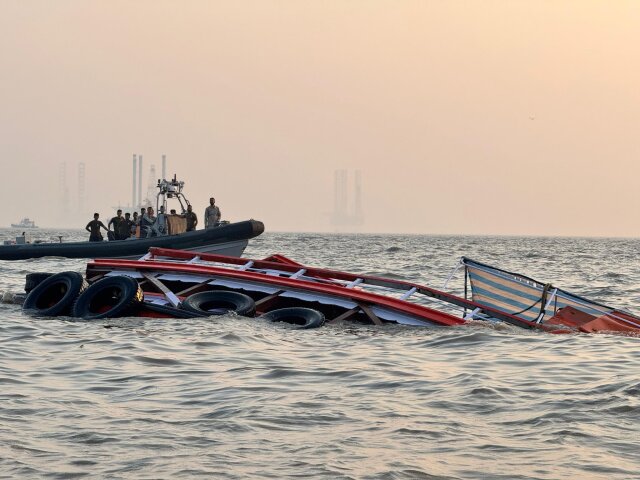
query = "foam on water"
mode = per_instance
[{"x": 238, "y": 398}]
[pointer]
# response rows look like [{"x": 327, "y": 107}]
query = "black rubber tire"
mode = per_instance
[
  {"x": 32, "y": 280},
  {"x": 18, "y": 298},
  {"x": 169, "y": 310},
  {"x": 220, "y": 302},
  {"x": 302, "y": 317},
  {"x": 109, "y": 297},
  {"x": 54, "y": 295}
]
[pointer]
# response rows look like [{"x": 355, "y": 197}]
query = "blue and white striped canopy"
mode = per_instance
[{"x": 522, "y": 296}]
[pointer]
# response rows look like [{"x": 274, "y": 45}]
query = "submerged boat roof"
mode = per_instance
[{"x": 413, "y": 303}]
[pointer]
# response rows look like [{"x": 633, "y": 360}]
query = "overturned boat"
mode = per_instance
[{"x": 183, "y": 284}]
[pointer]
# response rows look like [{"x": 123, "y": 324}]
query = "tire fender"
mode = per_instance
[
  {"x": 220, "y": 302},
  {"x": 32, "y": 280},
  {"x": 109, "y": 297},
  {"x": 54, "y": 295},
  {"x": 301, "y": 317}
]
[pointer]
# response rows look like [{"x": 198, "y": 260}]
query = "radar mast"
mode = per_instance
[{"x": 171, "y": 189}]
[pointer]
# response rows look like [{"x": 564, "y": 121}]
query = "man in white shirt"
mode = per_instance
[{"x": 159, "y": 225}]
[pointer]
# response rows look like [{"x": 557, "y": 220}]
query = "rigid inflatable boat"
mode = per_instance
[{"x": 230, "y": 239}]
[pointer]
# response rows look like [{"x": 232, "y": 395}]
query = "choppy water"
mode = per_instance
[{"x": 234, "y": 398}]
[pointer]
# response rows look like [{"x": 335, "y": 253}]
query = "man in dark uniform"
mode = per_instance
[
  {"x": 116, "y": 221},
  {"x": 142, "y": 223},
  {"x": 93, "y": 227},
  {"x": 134, "y": 224},
  {"x": 192, "y": 219},
  {"x": 125, "y": 227}
]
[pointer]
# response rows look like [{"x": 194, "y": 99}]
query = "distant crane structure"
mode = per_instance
[
  {"x": 81, "y": 188},
  {"x": 63, "y": 187},
  {"x": 150, "y": 197},
  {"x": 347, "y": 213},
  {"x": 134, "y": 196},
  {"x": 66, "y": 198},
  {"x": 140, "y": 199}
]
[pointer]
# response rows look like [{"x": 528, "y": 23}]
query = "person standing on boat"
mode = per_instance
[
  {"x": 116, "y": 221},
  {"x": 146, "y": 220},
  {"x": 134, "y": 224},
  {"x": 156, "y": 224},
  {"x": 160, "y": 225},
  {"x": 212, "y": 214},
  {"x": 125, "y": 226},
  {"x": 192, "y": 219},
  {"x": 142, "y": 223},
  {"x": 93, "y": 227}
]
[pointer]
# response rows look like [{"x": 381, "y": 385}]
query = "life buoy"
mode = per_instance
[
  {"x": 109, "y": 297},
  {"x": 54, "y": 295},
  {"x": 34, "y": 279},
  {"x": 219, "y": 302},
  {"x": 300, "y": 316}
]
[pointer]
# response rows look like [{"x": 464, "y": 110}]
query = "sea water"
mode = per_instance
[{"x": 230, "y": 397}]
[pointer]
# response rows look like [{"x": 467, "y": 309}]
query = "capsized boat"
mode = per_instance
[{"x": 169, "y": 280}]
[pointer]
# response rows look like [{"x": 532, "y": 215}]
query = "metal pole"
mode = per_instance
[
  {"x": 133, "y": 196},
  {"x": 81, "y": 185},
  {"x": 164, "y": 167},
  {"x": 358, "y": 198},
  {"x": 139, "y": 181}
]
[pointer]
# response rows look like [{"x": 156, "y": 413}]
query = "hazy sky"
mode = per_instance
[{"x": 474, "y": 117}]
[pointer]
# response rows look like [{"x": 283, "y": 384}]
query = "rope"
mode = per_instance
[{"x": 541, "y": 301}]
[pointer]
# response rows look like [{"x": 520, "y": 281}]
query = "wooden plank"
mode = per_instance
[
  {"x": 173, "y": 300},
  {"x": 369, "y": 312},
  {"x": 344, "y": 316},
  {"x": 269, "y": 298},
  {"x": 95, "y": 277},
  {"x": 192, "y": 288}
]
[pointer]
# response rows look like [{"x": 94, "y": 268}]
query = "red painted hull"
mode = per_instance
[{"x": 347, "y": 291}]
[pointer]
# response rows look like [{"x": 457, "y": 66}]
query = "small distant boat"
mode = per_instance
[{"x": 24, "y": 223}]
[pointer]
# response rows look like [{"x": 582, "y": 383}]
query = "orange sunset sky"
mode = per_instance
[{"x": 464, "y": 117}]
